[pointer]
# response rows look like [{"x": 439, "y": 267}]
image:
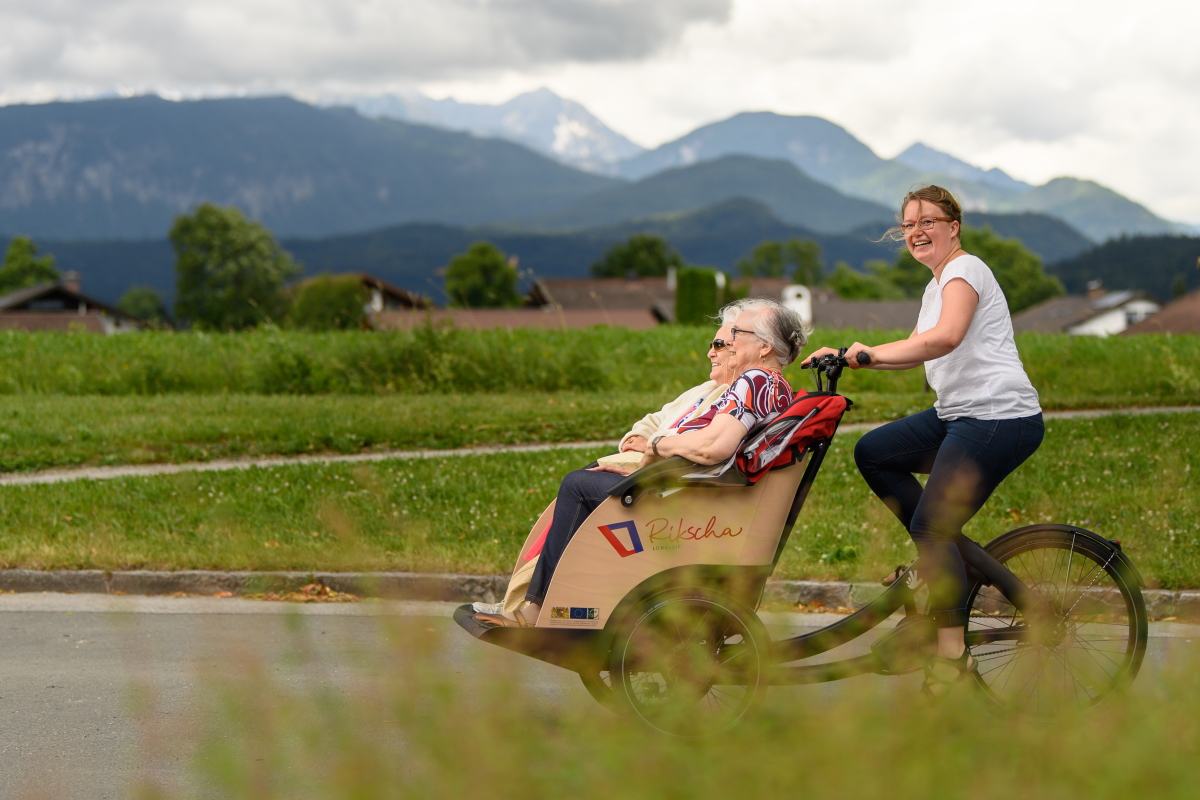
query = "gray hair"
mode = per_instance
[{"x": 782, "y": 328}]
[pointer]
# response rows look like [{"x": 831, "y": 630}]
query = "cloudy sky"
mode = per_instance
[{"x": 1097, "y": 89}]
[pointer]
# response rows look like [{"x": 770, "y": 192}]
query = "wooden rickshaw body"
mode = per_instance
[{"x": 617, "y": 549}]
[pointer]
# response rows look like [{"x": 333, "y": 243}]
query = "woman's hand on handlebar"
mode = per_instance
[
  {"x": 851, "y": 355},
  {"x": 852, "y": 359},
  {"x": 816, "y": 354}
]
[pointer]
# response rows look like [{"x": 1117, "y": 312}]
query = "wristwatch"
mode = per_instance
[{"x": 654, "y": 445}]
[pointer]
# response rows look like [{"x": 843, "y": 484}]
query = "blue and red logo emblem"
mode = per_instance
[{"x": 635, "y": 541}]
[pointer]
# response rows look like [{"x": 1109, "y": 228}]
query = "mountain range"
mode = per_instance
[
  {"x": 124, "y": 168},
  {"x": 830, "y": 154},
  {"x": 540, "y": 120},
  {"x": 347, "y": 191}
]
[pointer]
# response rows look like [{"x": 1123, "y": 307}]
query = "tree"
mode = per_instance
[
  {"x": 482, "y": 278},
  {"x": 641, "y": 256},
  {"x": 1018, "y": 271},
  {"x": 23, "y": 267},
  {"x": 229, "y": 270},
  {"x": 808, "y": 269},
  {"x": 875, "y": 284},
  {"x": 329, "y": 302},
  {"x": 772, "y": 259},
  {"x": 1178, "y": 286},
  {"x": 144, "y": 303}
]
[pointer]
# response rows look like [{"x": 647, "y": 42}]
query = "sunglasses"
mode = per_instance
[{"x": 718, "y": 344}]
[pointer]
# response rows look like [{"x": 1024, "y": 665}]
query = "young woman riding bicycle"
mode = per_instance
[{"x": 986, "y": 421}]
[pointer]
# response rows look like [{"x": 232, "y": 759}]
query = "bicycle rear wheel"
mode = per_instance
[
  {"x": 1093, "y": 644},
  {"x": 691, "y": 663}
]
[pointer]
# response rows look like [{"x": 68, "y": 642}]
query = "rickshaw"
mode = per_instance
[{"x": 653, "y": 601}]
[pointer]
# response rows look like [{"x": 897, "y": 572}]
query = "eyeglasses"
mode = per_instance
[
  {"x": 736, "y": 331},
  {"x": 925, "y": 224},
  {"x": 718, "y": 345}
]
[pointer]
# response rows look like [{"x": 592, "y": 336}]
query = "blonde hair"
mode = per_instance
[{"x": 941, "y": 197}]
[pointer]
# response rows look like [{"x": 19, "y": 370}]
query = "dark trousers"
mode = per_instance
[
  {"x": 578, "y": 495},
  {"x": 966, "y": 459}
]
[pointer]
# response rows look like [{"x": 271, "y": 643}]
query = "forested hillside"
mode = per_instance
[{"x": 1159, "y": 265}]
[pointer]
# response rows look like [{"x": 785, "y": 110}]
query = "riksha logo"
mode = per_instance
[
  {"x": 668, "y": 534},
  {"x": 665, "y": 534},
  {"x": 635, "y": 541}
]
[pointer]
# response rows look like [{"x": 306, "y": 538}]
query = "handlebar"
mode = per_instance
[{"x": 832, "y": 366}]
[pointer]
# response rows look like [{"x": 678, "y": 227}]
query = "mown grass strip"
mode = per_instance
[{"x": 1128, "y": 478}]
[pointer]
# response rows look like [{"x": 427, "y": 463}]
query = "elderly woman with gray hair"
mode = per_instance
[{"x": 764, "y": 337}]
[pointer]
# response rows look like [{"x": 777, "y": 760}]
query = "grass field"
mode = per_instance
[
  {"x": 1076, "y": 370},
  {"x": 1129, "y": 478},
  {"x": 407, "y": 727},
  {"x": 86, "y": 400}
]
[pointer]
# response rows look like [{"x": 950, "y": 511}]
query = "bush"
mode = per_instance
[
  {"x": 143, "y": 302},
  {"x": 329, "y": 303},
  {"x": 697, "y": 299}
]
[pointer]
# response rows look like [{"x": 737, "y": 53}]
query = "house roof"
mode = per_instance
[
  {"x": 547, "y": 318},
  {"x": 21, "y": 298},
  {"x": 402, "y": 296},
  {"x": 831, "y": 311},
  {"x": 601, "y": 293},
  {"x": 1180, "y": 316},
  {"x": 1060, "y": 313}
]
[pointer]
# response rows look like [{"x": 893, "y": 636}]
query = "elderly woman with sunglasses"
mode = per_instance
[
  {"x": 764, "y": 338},
  {"x": 693, "y": 402},
  {"x": 986, "y": 421}
]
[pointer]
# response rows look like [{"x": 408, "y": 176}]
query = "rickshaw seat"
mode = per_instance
[{"x": 777, "y": 441}]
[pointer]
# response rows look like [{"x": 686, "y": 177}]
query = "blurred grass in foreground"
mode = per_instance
[
  {"x": 1133, "y": 478},
  {"x": 409, "y": 726}
]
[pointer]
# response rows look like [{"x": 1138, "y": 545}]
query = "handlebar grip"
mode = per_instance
[{"x": 864, "y": 358}]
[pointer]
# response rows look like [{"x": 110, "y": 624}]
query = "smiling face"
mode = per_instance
[
  {"x": 930, "y": 247},
  {"x": 720, "y": 370},
  {"x": 747, "y": 350}
]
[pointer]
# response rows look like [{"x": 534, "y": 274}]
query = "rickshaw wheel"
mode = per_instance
[
  {"x": 690, "y": 663},
  {"x": 599, "y": 686}
]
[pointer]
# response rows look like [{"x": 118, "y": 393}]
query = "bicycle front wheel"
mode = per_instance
[{"x": 1093, "y": 644}]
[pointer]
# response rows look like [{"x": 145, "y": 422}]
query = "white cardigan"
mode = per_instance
[{"x": 656, "y": 423}]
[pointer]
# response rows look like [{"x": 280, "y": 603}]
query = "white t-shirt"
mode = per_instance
[{"x": 983, "y": 377}]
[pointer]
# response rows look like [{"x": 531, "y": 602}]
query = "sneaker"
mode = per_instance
[{"x": 487, "y": 608}]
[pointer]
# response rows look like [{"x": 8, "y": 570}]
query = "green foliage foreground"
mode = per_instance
[
  {"x": 1133, "y": 478},
  {"x": 408, "y": 719}
]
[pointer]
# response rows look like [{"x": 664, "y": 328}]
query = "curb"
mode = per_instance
[{"x": 1184, "y": 605}]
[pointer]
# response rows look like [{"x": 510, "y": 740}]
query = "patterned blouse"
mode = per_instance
[{"x": 754, "y": 395}]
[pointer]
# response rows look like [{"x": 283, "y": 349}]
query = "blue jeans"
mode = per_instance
[
  {"x": 580, "y": 493},
  {"x": 966, "y": 459}
]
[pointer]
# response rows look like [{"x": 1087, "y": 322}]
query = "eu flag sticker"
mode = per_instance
[{"x": 585, "y": 613}]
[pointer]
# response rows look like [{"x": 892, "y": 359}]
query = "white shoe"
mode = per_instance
[{"x": 487, "y": 608}]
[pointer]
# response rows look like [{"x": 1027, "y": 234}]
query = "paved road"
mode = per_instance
[
  {"x": 222, "y": 465},
  {"x": 71, "y": 664}
]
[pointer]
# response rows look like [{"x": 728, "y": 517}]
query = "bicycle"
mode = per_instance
[{"x": 1057, "y": 618}]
